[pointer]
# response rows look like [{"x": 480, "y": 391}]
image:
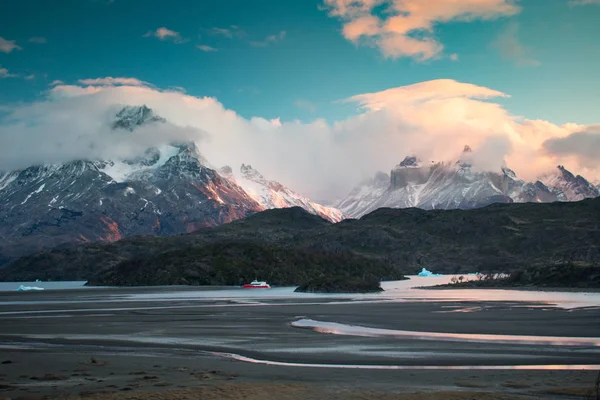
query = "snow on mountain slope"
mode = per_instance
[
  {"x": 272, "y": 194},
  {"x": 165, "y": 191},
  {"x": 442, "y": 185},
  {"x": 574, "y": 187}
]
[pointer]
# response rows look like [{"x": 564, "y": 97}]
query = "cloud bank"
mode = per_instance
[
  {"x": 405, "y": 28},
  {"x": 319, "y": 159}
]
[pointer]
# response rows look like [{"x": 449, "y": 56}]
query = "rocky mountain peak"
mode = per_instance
[
  {"x": 131, "y": 117},
  {"x": 409, "y": 162},
  {"x": 251, "y": 174}
]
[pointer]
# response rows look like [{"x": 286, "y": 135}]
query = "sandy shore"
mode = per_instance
[{"x": 108, "y": 344}]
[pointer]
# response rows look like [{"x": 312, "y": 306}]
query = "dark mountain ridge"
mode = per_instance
[{"x": 291, "y": 245}]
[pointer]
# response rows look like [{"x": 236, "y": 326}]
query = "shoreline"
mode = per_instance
[{"x": 521, "y": 288}]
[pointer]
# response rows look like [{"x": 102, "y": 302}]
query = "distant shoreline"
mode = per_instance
[{"x": 522, "y": 288}]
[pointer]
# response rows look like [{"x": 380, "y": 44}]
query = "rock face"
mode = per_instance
[
  {"x": 291, "y": 246},
  {"x": 458, "y": 186},
  {"x": 272, "y": 194},
  {"x": 165, "y": 191}
]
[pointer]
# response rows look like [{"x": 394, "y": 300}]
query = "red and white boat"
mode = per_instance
[{"x": 257, "y": 285}]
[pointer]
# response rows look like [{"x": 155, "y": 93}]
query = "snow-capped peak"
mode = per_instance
[
  {"x": 272, "y": 194},
  {"x": 130, "y": 117}
]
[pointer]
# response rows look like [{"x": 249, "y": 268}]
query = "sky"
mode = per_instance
[{"x": 318, "y": 94}]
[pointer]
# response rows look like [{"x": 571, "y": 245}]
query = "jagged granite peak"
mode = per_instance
[
  {"x": 410, "y": 162},
  {"x": 226, "y": 171},
  {"x": 272, "y": 194},
  {"x": 131, "y": 117},
  {"x": 457, "y": 185},
  {"x": 574, "y": 187}
]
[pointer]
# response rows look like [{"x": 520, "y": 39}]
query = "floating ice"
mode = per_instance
[
  {"x": 425, "y": 272},
  {"x": 22, "y": 288}
]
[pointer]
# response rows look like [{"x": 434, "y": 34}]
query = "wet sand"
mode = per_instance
[{"x": 106, "y": 343}]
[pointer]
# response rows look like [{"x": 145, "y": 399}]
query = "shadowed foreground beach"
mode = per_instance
[{"x": 184, "y": 343}]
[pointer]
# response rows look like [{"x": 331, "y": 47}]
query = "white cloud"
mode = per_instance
[
  {"x": 56, "y": 82},
  {"x": 164, "y": 34},
  {"x": 510, "y": 47},
  {"x": 29, "y": 77},
  {"x": 271, "y": 39},
  {"x": 205, "y": 48},
  {"x": 323, "y": 160},
  {"x": 37, "y": 40},
  {"x": 110, "y": 81},
  {"x": 7, "y": 46},
  {"x": 5, "y": 74},
  {"x": 406, "y": 28}
]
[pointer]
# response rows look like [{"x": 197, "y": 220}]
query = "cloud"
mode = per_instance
[
  {"x": 56, "y": 82},
  {"x": 511, "y": 48},
  {"x": 109, "y": 81},
  {"x": 584, "y": 146},
  {"x": 164, "y": 34},
  {"x": 454, "y": 57},
  {"x": 5, "y": 74},
  {"x": 205, "y": 48},
  {"x": 433, "y": 119},
  {"x": 7, "y": 46},
  {"x": 29, "y": 77},
  {"x": 230, "y": 32},
  {"x": 37, "y": 40},
  {"x": 405, "y": 28},
  {"x": 305, "y": 105},
  {"x": 272, "y": 39}
]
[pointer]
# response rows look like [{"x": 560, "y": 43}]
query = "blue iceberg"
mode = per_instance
[
  {"x": 23, "y": 288},
  {"x": 425, "y": 272}
]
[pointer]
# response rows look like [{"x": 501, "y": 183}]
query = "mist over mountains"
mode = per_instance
[{"x": 162, "y": 184}]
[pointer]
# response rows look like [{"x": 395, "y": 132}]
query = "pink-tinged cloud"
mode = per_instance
[
  {"x": 432, "y": 119},
  {"x": 407, "y": 27},
  {"x": 7, "y": 46},
  {"x": 110, "y": 81},
  {"x": 205, "y": 48},
  {"x": 164, "y": 34},
  {"x": 56, "y": 82},
  {"x": 440, "y": 89}
]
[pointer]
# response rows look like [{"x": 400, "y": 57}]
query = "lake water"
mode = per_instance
[{"x": 12, "y": 286}]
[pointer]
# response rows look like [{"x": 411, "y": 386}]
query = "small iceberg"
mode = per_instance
[
  {"x": 23, "y": 288},
  {"x": 425, "y": 272}
]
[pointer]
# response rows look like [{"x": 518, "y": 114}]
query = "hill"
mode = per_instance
[{"x": 292, "y": 245}]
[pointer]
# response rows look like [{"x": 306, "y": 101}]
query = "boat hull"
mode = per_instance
[{"x": 248, "y": 286}]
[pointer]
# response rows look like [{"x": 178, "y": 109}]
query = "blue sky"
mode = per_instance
[{"x": 302, "y": 72}]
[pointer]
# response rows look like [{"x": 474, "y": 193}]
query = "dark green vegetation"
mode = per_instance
[
  {"x": 343, "y": 284},
  {"x": 290, "y": 246},
  {"x": 564, "y": 275}
]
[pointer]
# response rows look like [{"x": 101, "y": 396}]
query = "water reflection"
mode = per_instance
[
  {"x": 335, "y": 328},
  {"x": 557, "y": 367}
]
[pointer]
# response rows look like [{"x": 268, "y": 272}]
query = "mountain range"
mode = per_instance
[
  {"x": 173, "y": 189},
  {"x": 166, "y": 191},
  {"x": 457, "y": 185}
]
